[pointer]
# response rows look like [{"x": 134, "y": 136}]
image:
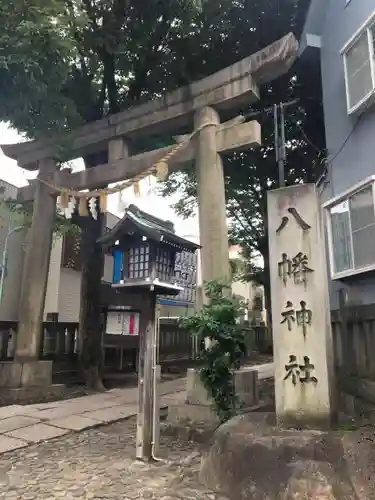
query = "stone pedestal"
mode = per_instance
[
  {"x": 15, "y": 374},
  {"x": 198, "y": 404},
  {"x": 27, "y": 382},
  {"x": 245, "y": 382}
]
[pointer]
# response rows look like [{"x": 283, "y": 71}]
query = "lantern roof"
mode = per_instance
[{"x": 144, "y": 224}]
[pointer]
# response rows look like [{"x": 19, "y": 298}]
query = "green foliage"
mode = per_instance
[
  {"x": 67, "y": 62},
  {"x": 217, "y": 322},
  {"x": 15, "y": 214},
  {"x": 35, "y": 49}
]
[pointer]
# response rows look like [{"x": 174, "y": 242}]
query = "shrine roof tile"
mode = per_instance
[{"x": 146, "y": 225}]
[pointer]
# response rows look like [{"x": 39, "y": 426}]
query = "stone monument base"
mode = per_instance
[
  {"x": 199, "y": 414},
  {"x": 27, "y": 382},
  {"x": 249, "y": 457},
  {"x": 31, "y": 395},
  {"x": 245, "y": 383},
  {"x": 198, "y": 405}
]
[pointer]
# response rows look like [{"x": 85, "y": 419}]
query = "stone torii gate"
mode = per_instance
[{"x": 200, "y": 103}]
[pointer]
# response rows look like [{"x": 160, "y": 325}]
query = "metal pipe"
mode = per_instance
[
  {"x": 276, "y": 131},
  {"x": 154, "y": 382},
  {"x": 156, "y": 407},
  {"x": 282, "y": 147}
]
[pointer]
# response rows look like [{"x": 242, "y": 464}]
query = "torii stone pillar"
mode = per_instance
[
  {"x": 27, "y": 370},
  {"x": 211, "y": 200}
]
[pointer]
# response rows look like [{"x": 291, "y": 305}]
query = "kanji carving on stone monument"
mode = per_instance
[
  {"x": 301, "y": 373},
  {"x": 296, "y": 268},
  {"x": 303, "y": 225},
  {"x": 300, "y": 270},
  {"x": 302, "y": 317},
  {"x": 288, "y": 315},
  {"x": 285, "y": 268},
  {"x": 292, "y": 369},
  {"x": 306, "y": 369}
]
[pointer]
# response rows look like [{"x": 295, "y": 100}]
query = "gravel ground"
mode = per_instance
[{"x": 99, "y": 464}]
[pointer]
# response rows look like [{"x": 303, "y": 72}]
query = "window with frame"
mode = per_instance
[
  {"x": 164, "y": 264},
  {"x": 359, "y": 64},
  {"x": 351, "y": 226},
  {"x": 138, "y": 259}
]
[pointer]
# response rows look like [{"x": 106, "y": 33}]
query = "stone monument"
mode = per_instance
[{"x": 303, "y": 357}]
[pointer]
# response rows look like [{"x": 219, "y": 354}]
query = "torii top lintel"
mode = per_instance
[{"x": 229, "y": 88}]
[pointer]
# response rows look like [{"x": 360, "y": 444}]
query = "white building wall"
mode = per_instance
[
  {"x": 108, "y": 268},
  {"x": 13, "y": 276},
  {"x": 15, "y": 257},
  {"x": 53, "y": 284},
  {"x": 69, "y": 297},
  {"x": 69, "y": 291}
]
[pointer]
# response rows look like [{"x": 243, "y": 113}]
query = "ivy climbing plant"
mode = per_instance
[{"x": 218, "y": 322}]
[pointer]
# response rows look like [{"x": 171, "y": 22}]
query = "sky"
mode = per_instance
[{"x": 148, "y": 200}]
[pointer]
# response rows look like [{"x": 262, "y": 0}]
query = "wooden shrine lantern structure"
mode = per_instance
[{"x": 144, "y": 250}]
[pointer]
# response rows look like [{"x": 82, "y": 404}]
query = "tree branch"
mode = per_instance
[
  {"x": 233, "y": 214},
  {"x": 109, "y": 82}
]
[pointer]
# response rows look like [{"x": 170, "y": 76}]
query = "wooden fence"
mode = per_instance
[
  {"x": 175, "y": 344},
  {"x": 354, "y": 350},
  {"x": 353, "y": 331},
  {"x": 59, "y": 344}
]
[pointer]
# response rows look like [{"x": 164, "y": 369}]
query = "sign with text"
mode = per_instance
[
  {"x": 300, "y": 308},
  {"x": 185, "y": 271},
  {"x": 122, "y": 323}
]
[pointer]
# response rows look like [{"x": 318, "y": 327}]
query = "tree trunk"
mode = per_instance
[
  {"x": 90, "y": 324},
  {"x": 264, "y": 250},
  {"x": 90, "y": 328}
]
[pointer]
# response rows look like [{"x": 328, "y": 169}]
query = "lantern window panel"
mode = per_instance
[{"x": 138, "y": 262}]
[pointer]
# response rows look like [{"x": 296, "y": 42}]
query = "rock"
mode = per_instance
[
  {"x": 316, "y": 481},
  {"x": 250, "y": 459},
  {"x": 359, "y": 454},
  {"x": 188, "y": 431}
]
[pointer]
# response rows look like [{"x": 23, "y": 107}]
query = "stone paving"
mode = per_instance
[
  {"x": 98, "y": 464},
  {"x": 21, "y": 426}
]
